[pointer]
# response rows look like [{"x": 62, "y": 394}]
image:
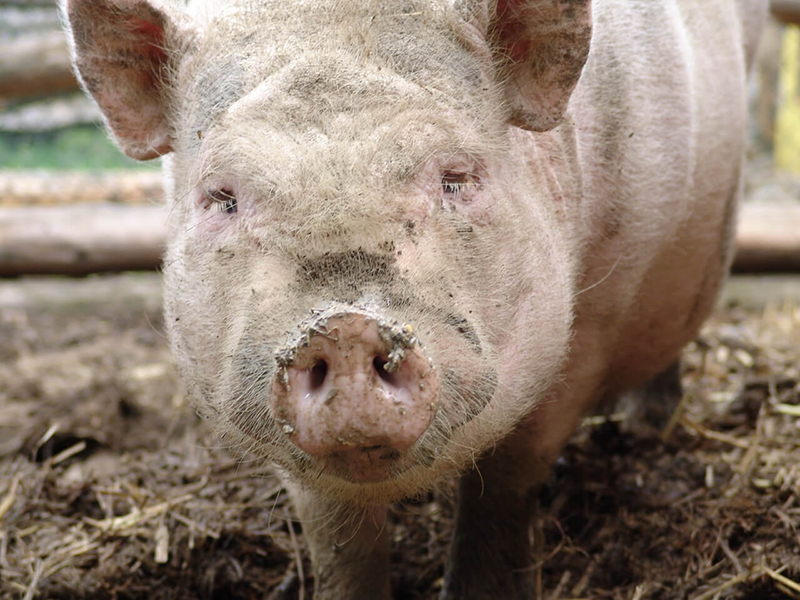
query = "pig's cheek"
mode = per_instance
[
  {"x": 480, "y": 209},
  {"x": 416, "y": 215},
  {"x": 476, "y": 208},
  {"x": 408, "y": 256},
  {"x": 208, "y": 223},
  {"x": 212, "y": 229},
  {"x": 535, "y": 359}
]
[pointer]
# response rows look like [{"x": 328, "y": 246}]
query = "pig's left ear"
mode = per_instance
[
  {"x": 122, "y": 50},
  {"x": 541, "y": 46}
]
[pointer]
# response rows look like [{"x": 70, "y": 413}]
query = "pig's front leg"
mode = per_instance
[
  {"x": 491, "y": 556},
  {"x": 349, "y": 548}
]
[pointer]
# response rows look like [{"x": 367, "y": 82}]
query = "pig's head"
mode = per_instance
[{"x": 369, "y": 277}]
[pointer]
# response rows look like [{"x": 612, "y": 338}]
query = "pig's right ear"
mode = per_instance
[
  {"x": 541, "y": 47},
  {"x": 121, "y": 50}
]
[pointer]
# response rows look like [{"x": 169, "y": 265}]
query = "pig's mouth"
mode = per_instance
[{"x": 363, "y": 465}]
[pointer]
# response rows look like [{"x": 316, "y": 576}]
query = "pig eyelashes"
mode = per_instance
[
  {"x": 221, "y": 200},
  {"x": 458, "y": 186}
]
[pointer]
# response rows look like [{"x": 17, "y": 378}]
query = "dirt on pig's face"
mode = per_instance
[{"x": 327, "y": 158}]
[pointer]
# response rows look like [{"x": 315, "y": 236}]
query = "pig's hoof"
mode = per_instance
[{"x": 651, "y": 406}]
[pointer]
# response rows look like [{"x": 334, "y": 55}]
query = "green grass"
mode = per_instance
[{"x": 81, "y": 148}]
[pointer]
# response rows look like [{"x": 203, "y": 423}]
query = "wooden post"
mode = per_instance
[{"x": 787, "y": 11}]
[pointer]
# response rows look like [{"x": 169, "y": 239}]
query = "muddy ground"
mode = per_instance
[{"x": 110, "y": 487}]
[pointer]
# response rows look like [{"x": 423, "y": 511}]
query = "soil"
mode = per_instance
[{"x": 111, "y": 487}]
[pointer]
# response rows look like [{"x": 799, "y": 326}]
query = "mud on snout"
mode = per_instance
[{"x": 356, "y": 399}]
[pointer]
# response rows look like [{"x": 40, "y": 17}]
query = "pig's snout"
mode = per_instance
[{"x": 357, "y": 388}]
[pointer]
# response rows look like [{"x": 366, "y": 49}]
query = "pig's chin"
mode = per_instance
[
  {"x": 365, "y": 467},
  {"x": 369, "y": 476},
  {"x": 362, "y": 465},
  {"x": 366, "y": 483}
]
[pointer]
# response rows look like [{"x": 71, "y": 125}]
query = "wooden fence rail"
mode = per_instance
[
  {"x": 78, "y": 239},
  {"x": 787, "y": 11},
  {"x": 81, "y": 239},
  {"x": 50, "y": 188},
  {"x": 35, "y": 65}
]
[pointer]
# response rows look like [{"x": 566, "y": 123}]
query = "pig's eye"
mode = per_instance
[
  {"x": 222, "y": 200},
  {"x": 457, "y": 186}
]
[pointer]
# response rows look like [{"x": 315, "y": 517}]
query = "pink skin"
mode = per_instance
[{"x": 352, "y": 392}]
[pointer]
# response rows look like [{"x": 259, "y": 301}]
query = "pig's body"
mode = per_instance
[
  {"x": 406, "y": 238},
  {"x": 659, "y": 114}
]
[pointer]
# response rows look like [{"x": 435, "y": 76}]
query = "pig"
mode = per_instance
[{"x": 420, "y": 239}]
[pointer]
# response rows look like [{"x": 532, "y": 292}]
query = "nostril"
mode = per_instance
[
  {"x": 379, "y": 364},
  {"x": 318, "y": 373}
]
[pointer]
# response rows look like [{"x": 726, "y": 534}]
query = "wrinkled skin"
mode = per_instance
[{"x": 537, "y": 196}]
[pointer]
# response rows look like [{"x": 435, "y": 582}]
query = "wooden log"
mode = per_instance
[
  {"x": 768, "y": 239},
  {"x": 136, "y": 292},
  {"x": 756, "y": 291},
  {"x": 29, "y": 3},
  {"x": 50, "y": 114},
  {"x": 787, "y": 11},
  {"x": 90, "y": 238},
  {"x": 40, "y": 188},
  {"x": 81, "y": 239},
  {"x": 35, "y": 65}
]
